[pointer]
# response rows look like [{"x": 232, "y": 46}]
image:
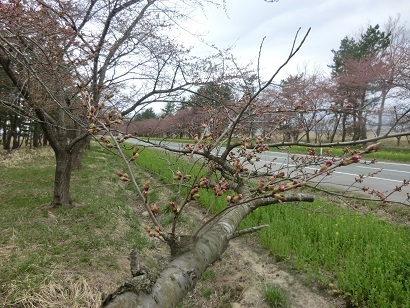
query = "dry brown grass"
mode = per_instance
[
  {"x": 61, "y": 291},
  {"x": 23, "y": 155}
]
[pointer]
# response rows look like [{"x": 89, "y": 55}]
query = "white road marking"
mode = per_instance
[
  {"x": 345, "y": 173},
  {"x": 383, "y": 169}
]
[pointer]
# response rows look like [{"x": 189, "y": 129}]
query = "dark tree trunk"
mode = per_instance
[
  {"x": 78, "y": 152},
  {"x": 355, "y": 127},
  {"x": 62, "y": 178},
  {"x": 16, "y": 139},
  {"x": 9, "y": 145},
  {"x": 4, "y": 131},
  {"x": 36, "y": 135},
  {"x": 337, "y": 121},
  {"x": 344, "y": 133},
  {"x": 7, "y": 140},
  {"x": 361, "y": 119},
  {"x": 307, "y": 136}
]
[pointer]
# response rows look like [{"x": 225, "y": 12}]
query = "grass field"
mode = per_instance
[
  {"x": 65, "y": 256},
  {"x": 361, "y": 257},
  {"x": 57, "y": 254},
  {"x": 387, "y": 152}
]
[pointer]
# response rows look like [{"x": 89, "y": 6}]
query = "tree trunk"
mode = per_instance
[
  {"x": 307, "y": 136},
  {"x": 78, "y": 152},
  {"x": 62, "y": 179},
  {"x": 185, "y": 270},
  {"x": 335, "y": 127},
  {"x": 355, "y": 127},
  {"x": 344, "y": 132},
  {"x": 16, "y": 139},
  {"x": 4, "y": 132},
  {"x": 380, "y": 111},
  {"x": 36, "y": 134}
]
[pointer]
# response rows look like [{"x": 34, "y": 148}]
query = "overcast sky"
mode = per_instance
[{"x": 246, "y": 22}]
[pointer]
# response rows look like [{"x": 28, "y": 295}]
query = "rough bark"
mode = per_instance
[
  {"x": 185, "y": 270},
  {"x": 78, "y": 152},
  {"x": 62, "y": 179}
]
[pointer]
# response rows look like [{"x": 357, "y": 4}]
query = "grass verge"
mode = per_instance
[
  {"x": 387, "y": 152},
  {"x": 361, "y": 257},
  {"x": 82, "y": 249}
]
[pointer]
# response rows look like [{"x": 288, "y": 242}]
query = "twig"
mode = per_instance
[{"x": 247, "y": 231}]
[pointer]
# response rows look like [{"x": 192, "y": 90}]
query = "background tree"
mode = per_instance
[
  {"x": 212, "y": 94},
  {"x": 148, "y": 113},
  {"x": 68, "y": 59},
  {"x": 356, "y": 67},
  {"x": 168, "y": 110}
]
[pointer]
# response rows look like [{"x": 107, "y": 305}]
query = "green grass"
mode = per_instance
[
  {"x": 387, "y": 152},
  {"x": 207, "y": 293},
  {"x": 359, "y": 256},
  {"x": 161, "y": 165},
  {"x": 275, "y": 296},
  {"x": 38, "y": 243},
  {"x": 362, "y": 256},
  {"x": 208, "y": 275}
]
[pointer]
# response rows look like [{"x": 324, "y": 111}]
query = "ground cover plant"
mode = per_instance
[
  {"x": 363, "y": 258},
  {"x": 276, "y": 296}
]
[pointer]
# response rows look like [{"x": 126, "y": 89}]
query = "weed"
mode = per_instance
[
  {"x": 364, "y": 254},
  {"x": 208, "y": 275},
  {"x": 206, "y": 293},
  {"x": 275, "y": 296}
]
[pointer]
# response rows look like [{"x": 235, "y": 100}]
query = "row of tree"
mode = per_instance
[
  {"x": 367, "y": 90},
  {"x": 78, "y": 68},
  {"x": 366, "y": 74}
]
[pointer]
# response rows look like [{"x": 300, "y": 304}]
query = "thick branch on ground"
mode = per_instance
[{"x": 185, "y": 270}]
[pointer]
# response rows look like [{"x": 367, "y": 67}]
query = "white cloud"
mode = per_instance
[{"x": 248, "y": 21}]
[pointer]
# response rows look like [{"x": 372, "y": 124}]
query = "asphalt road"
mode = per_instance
[
  {"x": 388, "y": 176},
  {"x": 380, "y": 176}
]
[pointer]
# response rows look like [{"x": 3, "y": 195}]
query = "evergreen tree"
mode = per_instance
[
  {"x": 148, "y": 113},
  {"x": 211, "y": 94},
  {"x": 168, "y": 110}
]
